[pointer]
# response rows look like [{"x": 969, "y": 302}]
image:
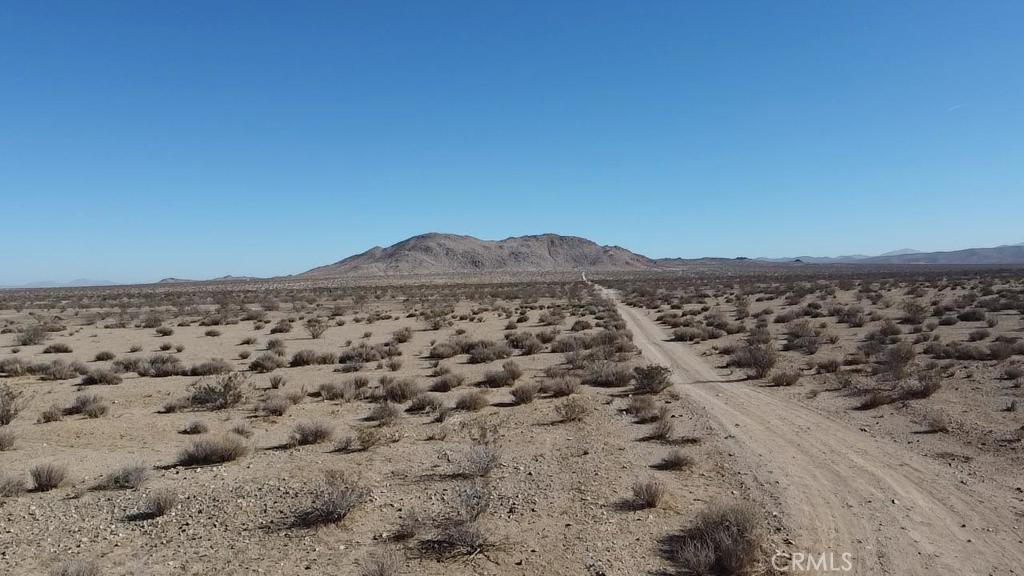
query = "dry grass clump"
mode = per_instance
[
  {"x": 426, "y": 403},
  {"x": 128, "y": 476},
  {"x": 785, "y": 378},
  {"x": 676, "y": 460},
  {"x": 572, "y": 409},
  {"x": 195, "y": 427},
  {"x": 218, "y": 393},
  {"x": 447, "y": 382},
  {"x": 472, "y": 401},
  {"x": 212, "y": 450},
  {"x": 649, "y": 493},
  {"x": 524, "y": 393},
  {"x": 479, "y": 461},
  {"x": 310, "y": 432},
  {"x": 725, "y": 540},
  {"x": 11, "y": 486},
  {"x": 383, "y": 563},
  {"x": 31, "y": 336},
  {"x": 76, "y": 568},
  {"x": 274, "y": 404},
  {"x": 385, "y": 414},
  {"x": 266, "y": 362},
  {"x": 758, "y": 359},
  {"x": 607, "y": 375},
  {"x": 242, "y": 429},
  {"x": 57, "y": 348},
  {"x": 7, "y": 438},
  {"x": 331, "y": 391},
  {"x": 401, "y": 390},
  {"x": 55, "y": 413},
  {"x": 48, "y": 476},
  {"x": 89, "y": 405},
  {"x": 10, "y": 403},
  {"x": 210, "y": 367},
  {"x": 335, "y": 496},
  {"x": 651, "y": 379},
  {"x": 100, "y": 376},
  {"x": 561, "y": 386},
  {"x": 159, "y": 502},
  {"x": 662, "y": 431}
]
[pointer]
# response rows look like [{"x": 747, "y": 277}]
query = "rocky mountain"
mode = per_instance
[
  {"x": 998, "y": 255},
  {"x": 447, "y": 253}
]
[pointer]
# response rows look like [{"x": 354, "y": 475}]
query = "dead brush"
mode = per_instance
[
  {"x": 572, "y": 409},
  {"x": 676, "y": 460},
  {"x": 310, "y": 432},
  {"x": 126, "y": 477},
  {"x": 48, "y": 476},
  {"x": 213, "y": 450},
  {"x": 725, "y": 540},
  {"x": 478, "y": 461},
  {"x": 333, "y": 499},
  {"x": 649, "y": 493}
]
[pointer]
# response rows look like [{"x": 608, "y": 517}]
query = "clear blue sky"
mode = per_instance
[{"x": 197, "y": 138}]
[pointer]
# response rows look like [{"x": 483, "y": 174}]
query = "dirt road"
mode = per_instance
[{"x": 841, "y": 491}]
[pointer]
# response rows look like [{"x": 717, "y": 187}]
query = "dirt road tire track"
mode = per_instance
[{"x": 840, "y": 490}]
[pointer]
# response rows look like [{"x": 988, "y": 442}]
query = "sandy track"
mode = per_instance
[{"x": 839, "y": 490}]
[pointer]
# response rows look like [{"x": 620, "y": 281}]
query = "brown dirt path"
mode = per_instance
[{"x": 839, "y": 490}]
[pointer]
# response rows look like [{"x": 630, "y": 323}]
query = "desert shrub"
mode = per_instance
[
  {"x": 277, "y": 381},
  {"x": 725, "y": 540},
  {"x": 164, "y": 331},
  {"x": 426, "y": 403},
  {"x": 31, "y": 336},
  {"x": 642, "y": 407},
  {"x": 561, "y": 386},
  {"x": 572, "y": 409},
  {"x": 212, "y": 333},
  {"x": 210, "y": 367},
  {"x": 1015, "y": 372},
  {"x": 7, "y": 439},
  {"x": 651, "y": 379},
  {"x": 57, "y": 348},
  {"x": 472, "y": 401},
  {"x": 978, "y": 335},
  {"x": 266, "y": 362},
  {"x": 13, "y": 367},
  {"x": 161, "y": 366},
  {"x": 275, "y": 404},
  {"x": 78, "y": 567},
  {"x": 447, "y": 382},
  {"x": 676, "y": 460},
  {"x": 276, "y": 346},
  {"x": 524, "y": 393},
  {"x": 128, "y": 476},
  {"x": 785, "y": 378},
  {"x": 662, "y": 431},
  {"x": 607, "y": 375},
  {"x": 218, "y": 393},
  {"x": 402, "y": 335},
  {"x": 195, "y": 427},
  {"x": 11, "y": 486},
  {"x": 972, "y": 315},
  {"x": 758, "y": 359},
  {"x": 331, "y": 391},
  {"x": 829, "y": 365},
  {"x": 393, "y": 364},
  {"x": 54, "y": 413},
  {"x": 897, "y": 359},
  {"x": 282, "y": 327},
  {"x": 649, "y": 493},
  {"x": 401, "y": 390},
  {"x": 242, "y": 429},
  {"x": 382, "y": 563},
  {"x": 48, "y": 476},
  {"x": 89, "y": 405},
  {"x": 311, "y": 432},
  {"x": 159, "y": 502},
  {"x": 922, "y": 387},
  {"x": 484, "y": 352},
  {"x": 212, "y": 450},
  {"x": 315, "y": 327},
  {"x": 303, "y": 358},
  {"x": 334, "y": 498},
  {"x": 100, "y": 376},
  {"x": 385, "y": 414},
  {"x": 10, "y": 403},
  {"x": 479, "y": 461}
]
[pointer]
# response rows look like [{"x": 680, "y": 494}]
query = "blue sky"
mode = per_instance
[{"x": 147, "y": 139}]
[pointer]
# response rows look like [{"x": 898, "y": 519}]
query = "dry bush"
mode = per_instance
[
  {"x": 331, "y": 391},
  {"x": 210, "y": 368},
  {"x": 561, "y": 386},
  {"x": 128, "y": 476},
  {"x": 385, "y": 414},
  {"x": 48, "y": 476},
  {"x": 11, "y": 486},
  {"x": 651, "y": 379},
  {"x": 607, "y": 375},
  {"x": 393, "y": 364},
  {"x": 642, "y": 407},
  {"x": 401, "y": 390},
  {"x": 447, "y": 382},
  {"x": 663, "y": 430},
  {"x": 315, "y": 327},
  {"x": 89, "y": 405},
  {"x": 276, "y": 346},
  {"x": 219, "y": 393},
  {"x": 676, "y": 460},
  {"x": 266, "y": 362},
  {"x": 57, "y": 348},
  {"x": 725, "y": 540},
  {"x": 524, "y": 393},
  {"x": 76, "y": 568},
  {"x": 402, "y": 335},
  {"x": 335, "y": 496},
  {"x": 242, "y": 429},
  {"x": 311, "y": 432},
  {"x": 274, "y": 404},
  {"x": 785, "y": 378},
  {"x": 472, "y": 401},
  {"x": 383, "y": 563},
  {"x": 759, "y": 359},
  {"x": 7, "y": 438},
  {"x": 100, "y": 376},
  {"x": 897, "y": 359},
  {"x": 164, "y": 331},
  {"x": 159, "y": 502},
  {"x": 10, "y": 403},
  {"x": 55, "y": 413},
  {"x": 426, "y": 403},
  {"x": 212, "y": 450},
  {"x": 572, "y": 409},
  {"x": 479, "y": 461},
  {"x": 277, "y": 381},
  {"x": 195, "y": 427},
  {"x": 649, "y": 493},
  {"x": 31, "y": 336}
]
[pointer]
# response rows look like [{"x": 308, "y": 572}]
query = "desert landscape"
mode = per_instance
[{"x": 715, "y": 418}]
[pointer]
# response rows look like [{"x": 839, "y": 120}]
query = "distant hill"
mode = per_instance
[
  {"x": 449, "y": 253},
  {"x": 228, "y": 278},
  {"x": 999, "y": 255}
]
